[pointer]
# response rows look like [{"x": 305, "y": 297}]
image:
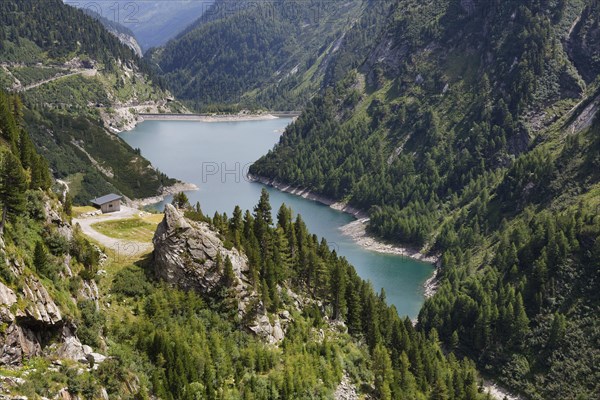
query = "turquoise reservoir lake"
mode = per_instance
[{"x": 215, "y": 156}]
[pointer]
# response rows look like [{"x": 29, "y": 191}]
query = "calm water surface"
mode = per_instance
[{"x": 215, "y": 156}]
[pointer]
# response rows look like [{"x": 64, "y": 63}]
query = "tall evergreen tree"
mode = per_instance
[{"x": 13, "y": 184}]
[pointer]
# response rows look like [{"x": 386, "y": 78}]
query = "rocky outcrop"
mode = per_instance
[
  {"x": 128, "y": 41},
  {"x": 72, "y": 349},
  {"x": 7, "y": 299},
  {"x": 583, "y": 43},
  {"x": 31, "y": 323},
  {"x": 41, "y": 309},
  {"x": 54, "y": 218},
  {"x": 28, "y": 329},
  {"x": 186, "y": 254},
  {"x": 346, "y": 390}
]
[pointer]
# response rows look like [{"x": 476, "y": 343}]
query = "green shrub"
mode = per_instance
[
  {"x": 6, "y": 274},
  {"x": 92, "y": 320},
  {"x": 35, "y": 205},
  {"x": 57, "y": 244},
  {"x": 131, "y": 282}
]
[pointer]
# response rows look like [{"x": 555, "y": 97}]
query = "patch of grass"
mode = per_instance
[
  {"x": 80, "y": 210},
  {"x": 154, "y": 218},
  {"x": 134, "y": 229}
]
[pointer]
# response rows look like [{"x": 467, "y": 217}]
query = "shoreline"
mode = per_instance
[
  {"x": 165, "y": 191},
  {"x": 207, "y": 118},
  {"x": 357, "y": 231},
  {"x": 139, "y": 117}
]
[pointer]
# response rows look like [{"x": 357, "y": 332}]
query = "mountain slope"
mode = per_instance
[
  {"x": 465, "y": 130},
  {"x": 47, "y": 289},
  {"x": 77, "y": 80},
  {"x": 330, "y": 329},
  {"x": 270, "y": 54},
  {"x": 125, "y": 35}
]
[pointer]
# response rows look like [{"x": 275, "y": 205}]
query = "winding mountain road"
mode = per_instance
[{"x": 84, "y": 72}]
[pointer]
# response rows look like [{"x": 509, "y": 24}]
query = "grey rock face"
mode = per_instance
[
  {"x": 7, "y": 299},
  {"x": 32, "y": 322},
  {"x": 27, "y": 329},
  {"x": 185, "y": 255},
  {"x": 41, "y": 308}
]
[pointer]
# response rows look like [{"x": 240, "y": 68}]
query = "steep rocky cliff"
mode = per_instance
[{"x": 31, "y": 322}]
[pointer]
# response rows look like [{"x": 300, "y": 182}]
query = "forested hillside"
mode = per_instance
[
  {"x": 194, "y": 345},
  {"x": 76, "y": 80},
  {"x": 464, "y": 130},
  {"x": 260, "y": 54}
]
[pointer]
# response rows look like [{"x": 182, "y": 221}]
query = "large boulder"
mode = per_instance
[{"x": 186, "y": 255}]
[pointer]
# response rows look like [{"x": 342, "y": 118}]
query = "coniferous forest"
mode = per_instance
[{"x": 445, "y": 155}]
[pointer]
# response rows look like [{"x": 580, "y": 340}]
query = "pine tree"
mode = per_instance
[
  {"x": 439, "y": 391},
  {"x": 68, "y": 204},
  {"x": 228, "y": 273},
  {"x": 557, "y": 331},
  {"x": 521, "y": 321},
  {"x": 284, "y": 217},
  {"x": 383, "y": 372},
  {"x": 266, "y": 299},
  {"x": 40, "y": 257},
  {"x": 263, "y": 208},
  {"x": 13, "y": 184},
  {"x": 338, "y": 290},
  {"x": 454, "y": 341},
  {"x": 180, "y": 200}
]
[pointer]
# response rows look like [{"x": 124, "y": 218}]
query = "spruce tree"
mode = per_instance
[
  {"x": 40, "y": 258},
  {"x": 228, "y": 273},
  {"x": 383, "y": 372},
  {"x": 263, "y": 208},
  {"x": 13, "y": 184}
]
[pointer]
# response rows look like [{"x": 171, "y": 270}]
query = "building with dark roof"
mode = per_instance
[{"x": 109, "y": 203}]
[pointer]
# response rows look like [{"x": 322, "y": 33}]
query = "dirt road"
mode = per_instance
[
  {"x": 85, "y": 72},
  {"x": 122, "y": 248}
]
